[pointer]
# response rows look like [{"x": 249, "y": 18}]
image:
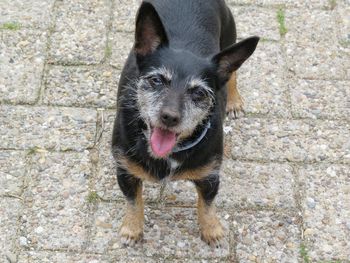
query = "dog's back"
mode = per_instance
[{"x": 203, "y": 27}]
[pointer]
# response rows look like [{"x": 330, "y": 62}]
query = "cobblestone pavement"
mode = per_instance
[{"x": 285, "y": 194}]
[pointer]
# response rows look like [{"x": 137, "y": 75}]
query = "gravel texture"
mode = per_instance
[
  {"x": 56, "y": 198},
  {"x": 81, "y": 87},
  {"x": 326, "y": 191},
  {"x": 278, "y": 237},
  {"x": 22, "y": 55},
  {"x": 79, "y": 35},
  {"x": 12, "y": 172},
  {"x": 264, "y": 23},
  {"x": 35, "y": 14},
  {"x": 285, "y": 176},
  {"x": 54, "y": 128},
  {"x": 265, "y": 93},
  {"x": 10, "y": 211}
]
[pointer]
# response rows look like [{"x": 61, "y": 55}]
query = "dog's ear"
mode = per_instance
[
  {"x": 231, "y": 58},
  {"x": 149, "y": 33}
]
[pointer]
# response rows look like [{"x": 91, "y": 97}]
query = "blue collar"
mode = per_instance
[{"x": 190, "y": 144}]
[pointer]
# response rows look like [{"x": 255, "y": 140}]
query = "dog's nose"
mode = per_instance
[{"x": 170, "y": 118}]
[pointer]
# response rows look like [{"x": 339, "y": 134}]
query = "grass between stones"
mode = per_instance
[
  {"x": 332, "y": 4},
  {"x": 281, "y": 22},
  {"x": 92, "y": 197},
  {"x": 10, "y": 26},
  {"x": 303, "y": 254}
]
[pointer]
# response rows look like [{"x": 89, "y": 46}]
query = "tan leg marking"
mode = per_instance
[
  {"x": 131, "y": 229},
  {"x": 234, "y": 99},
  {"x": 210, "y": 226}
]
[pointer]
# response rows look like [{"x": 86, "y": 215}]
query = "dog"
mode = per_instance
[{"x": 175, "y": 89}]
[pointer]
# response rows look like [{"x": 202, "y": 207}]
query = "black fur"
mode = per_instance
[{"x": 188, "y": 36}]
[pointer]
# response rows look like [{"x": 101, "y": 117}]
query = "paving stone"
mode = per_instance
[
  {"x": 292, "y": 140},
  {"x": 56, "y": 198},
  {"x": 10, "y": 210},
  {"x": 125, "y": 15},
  {"x": 322, "y": 4},
  {"x": 80, "y": 32},
  {"x": 121, "y": 44},
  {"x": 326, "y": 224},
  {"x": 22, "y": 56},
  {"x": 26, "y": 13},
  {"x": 246, "y": 184},
  {"x": 106, "y": 181},
  {"x": 343, "y": 22},
  {"x": 319, "y": 98},
  {"x": 261, "y": 81},
  {"x": 105, "y": 231},
  {"x": 57, "y": 257},
  {"x": 310, "y": 52},
  {"x": 253, "y": 20},
  {"x": 56, "y": 128},
  {"x": 174, "y": 231},
  {"x": 12, "y": 172},
  {"x": 81, "y": 86},
  {"x": 266, "y": 237}
]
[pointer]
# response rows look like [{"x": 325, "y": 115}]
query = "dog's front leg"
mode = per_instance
[
  {"x": 210, "y": 226},
  {"x": 131, "y": 229}
]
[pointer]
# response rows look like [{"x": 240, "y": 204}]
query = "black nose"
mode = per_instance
[{"x": 169, "y": 118}]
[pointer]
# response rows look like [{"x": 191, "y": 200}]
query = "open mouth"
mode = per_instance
[{"x": 162, "y": 141}]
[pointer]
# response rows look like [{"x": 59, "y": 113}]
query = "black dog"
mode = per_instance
[{"x": 175, "y": 88}]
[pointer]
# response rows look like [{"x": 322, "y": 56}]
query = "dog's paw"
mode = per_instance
[
  {"x": 235, "y": 107},
  {"x": 130, "y": 235},
  {"x": 213, "y": 234}
]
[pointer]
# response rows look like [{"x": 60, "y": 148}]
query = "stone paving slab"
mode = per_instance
[
  {"x": 81, "y": 86},
  {"x": 266, "y": 237},
  {"x": 12, "y": 172},
  {"x": 22, "y": 54},
  {"x": 121, "y": 44},
  {"x": 106, "y": 183},
  {"x": 320, "y": 4},
  {"x": 320, "y": 99},
  {"x": 263, "y": 25},
  {"x": 262, "y": 83},
  {"x": 54, "y": 128},
  {"x": 124, "y": 15},
  {"x": 79, "y": 36},
  {"x": 10, "y": 210},
  {"x": 343, "y": 9},
  {"x": 326, "y": 192},
  {"x": 292, "y": 140},
  {"x": 246, "y": 184},
  {"x": 35, "y": 14},
  {"x": 59, "y": 257},
  {"x": 310, "y": 52},
  {"x": 56, "y": 200}
]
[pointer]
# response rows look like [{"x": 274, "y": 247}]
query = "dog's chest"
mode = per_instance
[{"x": 174, "y": 164}]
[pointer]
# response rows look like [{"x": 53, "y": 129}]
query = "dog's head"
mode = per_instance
[{"x": 176, "y": 89}]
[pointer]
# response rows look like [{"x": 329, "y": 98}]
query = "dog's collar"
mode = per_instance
[{"x": 189, "y": 144}]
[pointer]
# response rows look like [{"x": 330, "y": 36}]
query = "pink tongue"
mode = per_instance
[{"x": 162, "y": 141}]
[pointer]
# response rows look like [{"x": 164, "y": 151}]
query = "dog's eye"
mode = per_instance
[
  {"x": 155, "y": 80},
  {"x": 198, "y": 94}
]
